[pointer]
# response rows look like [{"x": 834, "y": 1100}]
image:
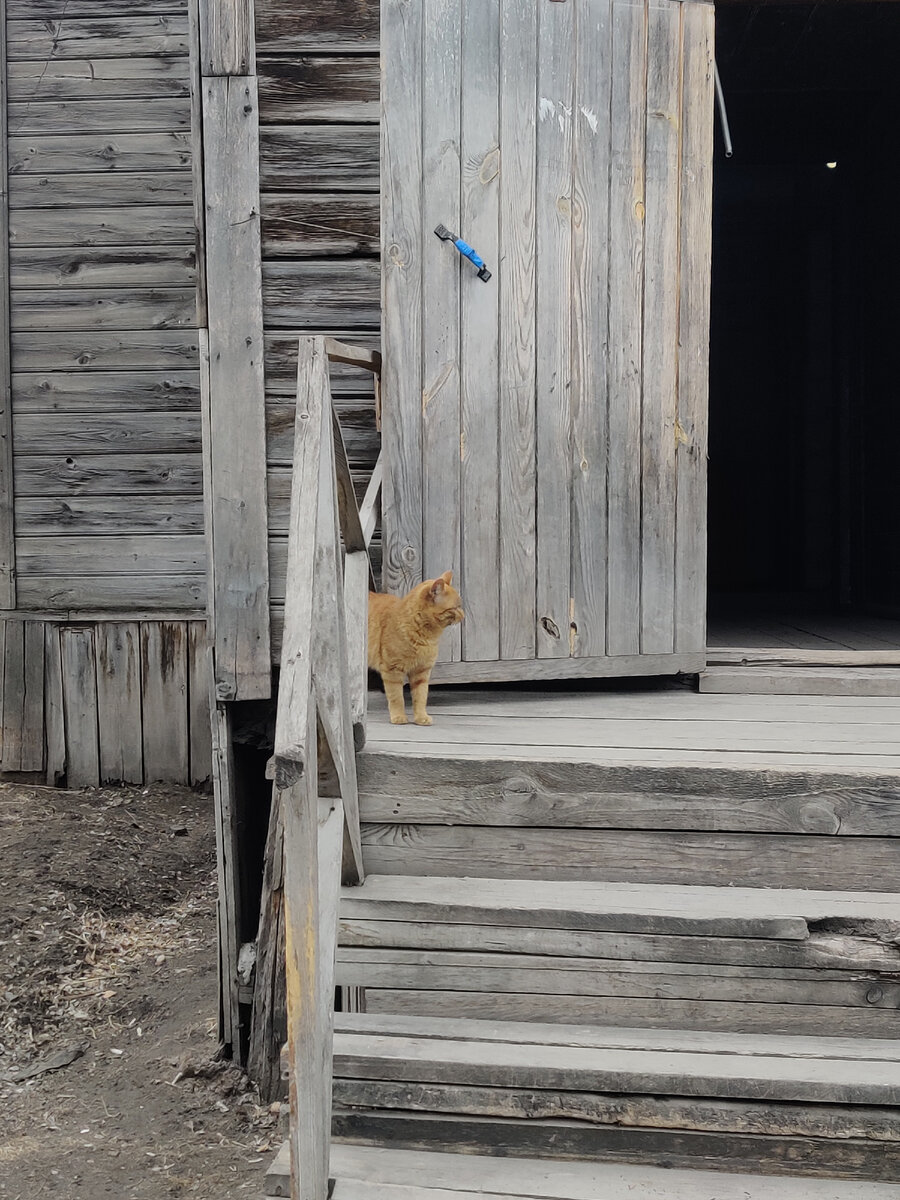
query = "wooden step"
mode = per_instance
[
  {"x": 380, "y": 1173},
  {"x": 801, "y": 680}
]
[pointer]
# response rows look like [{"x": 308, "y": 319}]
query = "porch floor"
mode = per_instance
[{"x": 651, "y": 724}]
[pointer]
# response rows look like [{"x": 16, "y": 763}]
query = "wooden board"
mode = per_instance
[
  {"x": 46, "y": 189},
  {"x": 300, "y": 158},
  {"x": 318, "y": 88},
  {"x": 227, "y": 42},
  {"x": 126, "y": 225},
  {"x": 164, "y": 701},
  {"x": 119, "y": 716},
  {"x": 310, "y": 225},
  {"x": 69, "y": 309},
  {"x": 99, "y": 78},
  {"x": 79, "y": 681},
  {"x": 151, "y": 114},
  {"x": 141, "y": 432},
  {"x": 295, "y": 27},
  {"x": 97, "y": 267},
  {"x": 65, "y": 392},
  {"x": 796, "y": 680},
  {"x": 132, "y": 350},
  {"x": 57, "y": 154},
  {"x": 199, "y": 717},
  {"x": 7, "y": 528},
  {"x": 104, "y": 37}
]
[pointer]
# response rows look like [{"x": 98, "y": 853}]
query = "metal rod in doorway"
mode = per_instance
[{"x": 723, "y": 115}]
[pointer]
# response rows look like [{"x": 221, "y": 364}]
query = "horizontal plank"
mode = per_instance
[
  {"x": 794, "y": 680},
  {"x": 316, "y": 292},
  {"x": 112, "y": 592},
  {"x": 344, "y": 381},
  {"x": 56, "y": 154},
  {"x": 818, "y": 1078},
  {"x": 786, "y": 657},
  {"x": 728, "y": 911},
  {"x": 171, "y": 225},
  {"x": 107, "y": 514},
  {"x": 826, "y": 950},
  {"x": 742, "y": 859},
  {"x": 318, "y": 88},
  {"x": 361, "y": 438},
  {"x": 120, "y": 351},
  {"x": 98, "y": 391},
  {"x": 35, "y": 10},
  {"x": 106, "y": 475},
  {"x": 136, "y": 554},
  {"x": 294, "y": 26},
  {"x": 306, "y": 225},
  {"x": 43, "y": 190},
  {"x": 587, "y": 795},
  {"x": 98, "y": 79},
  {"x": 101, "y": 37},
  {"x": 106, "y": 433},
  {"x": 632, "y": 1012},
  {"x": 67, "y": 309},
  {"x": 103, "y": 266},
  {"x": 319, "y": 158},
  {"x": 149, "y": 114}
]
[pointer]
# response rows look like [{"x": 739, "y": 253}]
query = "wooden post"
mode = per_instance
[
  {"x": 237, "y": 533},
  {"x": 7, "y": 531}
]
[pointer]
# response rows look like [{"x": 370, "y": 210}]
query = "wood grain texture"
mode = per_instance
[
  {"x": 556, "y": 117},
  {"x": 318, "y": 88},
  {"x": 23, "y": 698},
  {"x": 626, "y": 266},
  {"x": 102, "y": 37},
  {"x": 131, "y": 350},
  {"x": 60, "y": 154},
  {"x": 199, "y": 728},
  {"x": 54, "y": 708},
  {"x": 119, "y": 717},
  {"x": 7, "y": 527},
  {"x": 96, "y": 309},
  {"x": 296, "y": 26},
  {"x": 151, "y": 114},
  {"x": 305, "y": 224},
  {"x": 98, "y": 78},
  {"x": 517, "y": 333},
  {"x": 227, "y": 860},
  {"x": 328, "y": 158},
  {"x": 319, "y": 294},
  {"x": 94, "y": 593},
  {"x": 79, "y": 684},
  {"x": 98, "y": 267},
  {"x": 402, "y": 242},
  {"x": 236, "y": 390},
  {"x": 148, "y": 554},
  {"x": 591, "y": 301},
  {"x": 97, "y": 474},
  {"x": 164, "y": 701},
  {"x": 63, "y": 393},
  {"x": 172, "y": 225},
  {"x": 49, "y": 190},
  {"x": 441, "y": 318},
  {"x": 107, "y": 433}
]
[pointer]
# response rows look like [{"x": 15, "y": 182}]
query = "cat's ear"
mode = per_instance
[
  {"x": 436, "y": 588},
  {"x": 447, "y": 577}
]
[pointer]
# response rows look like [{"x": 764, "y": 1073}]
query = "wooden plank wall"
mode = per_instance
[
  {"x": 317, "y": 62},
  {"x": 93, "y": 702},
  {"x": 105, "y": 396}
]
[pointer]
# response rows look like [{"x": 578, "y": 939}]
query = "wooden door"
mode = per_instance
[{"x": 545, "y": 432}]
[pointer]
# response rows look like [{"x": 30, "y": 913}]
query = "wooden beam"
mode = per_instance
[
  {"x": 227, "y": 37},
  {"x": 7, "y": 530},
  {"x": 237, "y": 445},
  {"x": 353, "y": 356},
  {"x": 227, "y": 858},
  {"x": 369, "y": 509}
]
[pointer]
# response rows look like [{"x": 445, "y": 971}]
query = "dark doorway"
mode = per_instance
[{"x": 804, "y": 458}]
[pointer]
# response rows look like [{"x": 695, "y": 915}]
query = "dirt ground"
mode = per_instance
[{"x": 108, "y": 959}]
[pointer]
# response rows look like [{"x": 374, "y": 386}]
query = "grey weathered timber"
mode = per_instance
[
  {"x": 695, "y": 238},
  {"x": 300, "y": 158},
  {"x": 227, "y": 41},
  {"x": 779, "y": 656},
  {"x": 151, "y": 114},
  {"x": 172, "y": 224},
  {"x": 54, "y": 710},
  {"x": 43, "y": 190},
  {"x": 119, "y": 716},
  {"x": 589, "y": 327},
  {"x": 37, "y": 10},
  {"x": 293, "y": 27},
  {"x": 23, "y": 698},
  {"x": 517, "y": 331},
  {"x": 402, "y": 242},
  {"x": 356, "y": 605},
  {"x": 318, "y": 88},
  {"x": 98, "y": 309},
  {"x": 164, "y": 701},
  {"x": 310, "y": 225},
  {"x": 151, "y": 433},
  {"x": 198, "y": 703},
  {"x": 66, "y": 391},
  {"x": 352, "y": 356},
  {"x": 79, "y": 680},
  {"x": 105, "y": 514},
  {"x": 237, "y": 539},
  {"x": 100, "y": 78},
  {"x": 573, "y": 668},
  {"x": 626, "y": 258},
  {"x": 370, "y": 507},
  {"x": 553, "y": 240},
  {"x": 148, "y": 554},
  {"x": 662, "y": 187},
  {"x": 103, "y": 37},
  {"x": 227, "y": 859},
  {"x": 92, "y": 593},
  {"x": 196, "y": 126},
  {"x": 309, "y": 1049},
  {"x": 317, "y": 294},
  {"x": 97, "y": 267},
  {"x": 441, "y": 430},
  {"x": 347, "y": 509},
  {"x": 797, "y": 680},
  {"x": 7, "y": 528},
  {"x": 135, "y": 350},
  {"x": 479, "y": 141},
  {"x": 268, "y": 1029},
  {"x": 58, "y": 154}
]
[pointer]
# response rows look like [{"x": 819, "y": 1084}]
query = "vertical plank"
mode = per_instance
[
  {"x": 200, "y": 746},
  {"x": 590, "y": 316},
  {"x": 693, "y": 349},
  {"x": 479, "y": 331},
  {"x": 660, "y": 361},
  {"x": 32, "y": 751},
  {"x": 119, "y": 702},
  {"x": 330, "y": 852},
  {"x": 13, "y": 690},
  {"x": 227, "y": 37},
  {"x": 79, "y": 678},
  {"x": 440, "y": 302},
  {"x": 196, "y": 60},
  {"x": 7, "y": 529},
  {"x": 555, "y": 91},
  {"x": 54, "y": 712},
  {"x": 164, "y": 701},
  {"x": 401, "y": 291},
  {"x": 237, "y": 539},
  {"x": 517, "y": 344},
  {"x": 626, "y": 272},
  {"x": 229, "y": 903},
  {"x": 268, "y": 1029},
  {"x": 356, "y": 621},
  {"x": 308, "y": 1050},
  {"x": 3, "y": 625}
]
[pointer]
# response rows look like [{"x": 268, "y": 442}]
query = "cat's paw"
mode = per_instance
[
  {"x": 399, "y": 720},
  {"x": 426, "y": 720}
]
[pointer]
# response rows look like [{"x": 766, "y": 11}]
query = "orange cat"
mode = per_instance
[{"x": 404, "y": 632}]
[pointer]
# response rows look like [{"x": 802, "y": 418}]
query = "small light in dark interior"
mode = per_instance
[{"x": 831, "y": 166}]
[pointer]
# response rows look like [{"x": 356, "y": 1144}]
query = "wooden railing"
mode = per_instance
[{"x": 320, "y": 723}]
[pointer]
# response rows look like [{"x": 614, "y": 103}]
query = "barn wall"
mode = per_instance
[{"x": 317, "y": 62}]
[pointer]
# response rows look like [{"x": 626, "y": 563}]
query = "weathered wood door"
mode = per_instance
[{"x": 545, "y": 432}]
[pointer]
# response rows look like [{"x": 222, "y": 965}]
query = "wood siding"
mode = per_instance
[
  {"x": 104, "y": 362},
  {"x": 319, "y": 172}
]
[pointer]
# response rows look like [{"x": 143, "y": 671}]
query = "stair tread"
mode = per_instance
[
  {"x": 780, "y": 913},
  {"x": 752, "y": 1067},
  {"x": 380, "y": 1173}
]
